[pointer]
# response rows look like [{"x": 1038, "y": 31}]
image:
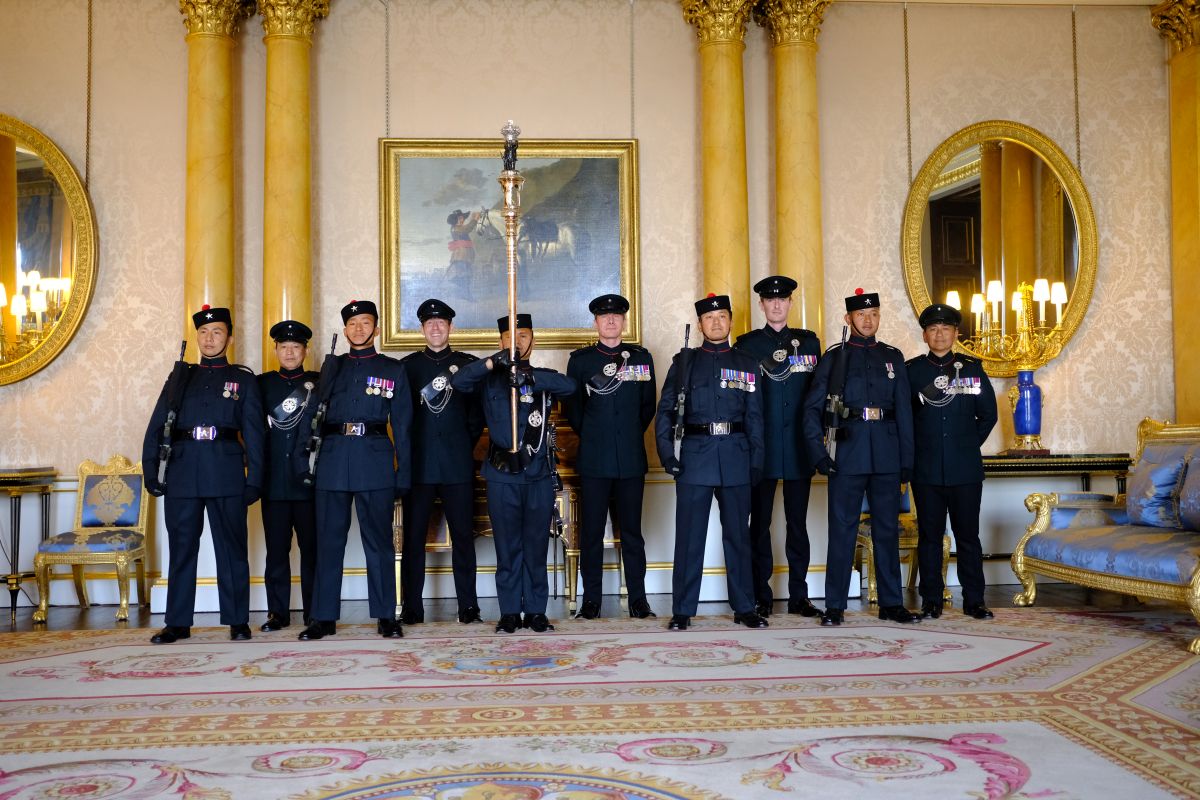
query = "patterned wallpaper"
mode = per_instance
[{"x": 562, "y": 68}]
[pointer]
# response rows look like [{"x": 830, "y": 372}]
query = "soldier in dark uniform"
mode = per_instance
[
  {"x": 359, "y": 464},
  {"x": 721, "y": 453},
  {"x": 287, "y": 503},
  {"x": 446, "y": 425},
  {"x": 610, "y": 412},
  {"x": 210, "y": 470},
  {"x": 520, "y": 486},
  {"x": 954, "y": 410},
  {"x": 788, "y": 357},
  {"x": 875, "y": 456}
]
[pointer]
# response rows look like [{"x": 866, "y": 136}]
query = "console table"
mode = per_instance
[
  {"x": 17, "y": 483},
  {"x": 1085, "y": 465}
]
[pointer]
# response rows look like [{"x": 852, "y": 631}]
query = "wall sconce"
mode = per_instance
[
  {"x": 978, "y": 306},
  {"x": 1041, "y": 293},
  {"x": 1058, "y": 296},
  {"x": 995, "y": 296}
]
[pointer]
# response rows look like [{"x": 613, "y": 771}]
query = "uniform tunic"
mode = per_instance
[
  {"x": 870, "y": 460},
  {"x": 948, "y": 473},
  {"x": 521, "y": 502},
  {"x": 445, "y": 430},
  {"x": 713, "y": 464},
  {"x": 787, "y": 358},
  {"x": 370, "y": 469},
  {"x": 216, "y": 476},
  {"x": 287, "y": 504},
  {"x": 611, "y": 413}
]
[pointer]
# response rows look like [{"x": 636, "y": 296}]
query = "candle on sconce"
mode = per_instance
[
  {"x": 978, "y": 306},
  {"x": 1058, "y": 296},
  {"x": 1041, "y": 293},
  {"x": 995, "y": 296}
]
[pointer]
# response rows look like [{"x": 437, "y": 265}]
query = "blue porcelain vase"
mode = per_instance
[{"x": 1027, "y": 414}]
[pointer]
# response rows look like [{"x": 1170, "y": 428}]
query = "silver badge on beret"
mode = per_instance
[
  {"x": 439, "y": 383},
  {"x": 535, "y": 419},
  {"x": 779, "y": 355},
  {"x": 941, "y": 381},
  {"x": 453, "y": 368},
  {"x": 610, "y": 369},
  {"x": 290, "y": 404}
]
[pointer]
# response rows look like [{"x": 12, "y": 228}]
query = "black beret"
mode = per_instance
[
  {"x": 608, "y": 304},
  {"x": 208, "y": 314},
  {"x": 434, "y": 309},
  {"x": 291, "y": 331},
  {"x": 523, "y": 321},
  {"x": 775, "y": 286},
  {"x": 940, "y": 312},
  {"x": 356, "y": 307},
  {"x": 860, "y": 300},
  {"x": 713, "y": 302}
]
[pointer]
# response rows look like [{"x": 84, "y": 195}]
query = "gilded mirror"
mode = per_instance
[
  {"x": 47, "y": 250},
  {"x": 999, "y": 224}
]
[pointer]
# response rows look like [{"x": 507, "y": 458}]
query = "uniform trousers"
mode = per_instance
[
  {"x": 185, "y": 524},
  {"x": 962, "y": 502},
  {"x": 762, "y": 558},
  {"x": 692, "y": 505},
  {"x": 520, "y": 515},
  {"x": 457, "y": 506},
  {"x": 280, "y": 518},
  {"x": 375, "y": 509},
  {"x": 845, "y": 507},
  {"x": 624, "y": 497}
]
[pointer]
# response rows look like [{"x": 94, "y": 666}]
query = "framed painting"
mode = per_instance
[{"x": 442, "y": 236}]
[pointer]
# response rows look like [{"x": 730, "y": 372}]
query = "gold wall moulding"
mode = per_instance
[
  {"x": 47, "y": 294},
  {"x": 999, "y": 215}
]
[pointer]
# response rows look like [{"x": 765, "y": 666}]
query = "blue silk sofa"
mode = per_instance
[{"x": 1145, "y": 542}]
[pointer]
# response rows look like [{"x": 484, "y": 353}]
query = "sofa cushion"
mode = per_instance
[
  {"x": 1127, "y": 551},
  {"x": 1189, "y": 493},
  {"x": 1152, "y": 496}
]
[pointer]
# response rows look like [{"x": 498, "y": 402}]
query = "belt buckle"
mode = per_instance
[
  {"x": 203, "y": 433},
  {"x": 354, "y": 428},
  {"x": 718, "y": 428},
  {"x": 872, "y": 414}
]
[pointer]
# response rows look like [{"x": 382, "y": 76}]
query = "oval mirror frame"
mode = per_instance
[
  {"x": 1081, "y": 204},
  {"x": 84, "y": 251}
]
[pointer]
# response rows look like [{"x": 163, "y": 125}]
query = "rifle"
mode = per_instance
[
  {"x": 175, "y": 385},
  {"x": 329, "y": 369},
  {"x": 557, "y": 483},
  {"x": 684, "y": 377},
  {"x": 835, "y": 409}
]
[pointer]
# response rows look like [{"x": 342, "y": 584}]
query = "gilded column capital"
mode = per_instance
[
  {"x": 1176, "y": 21},
  {"x": 292, "y": 17},
  {"x": 791, "y": 21},
  {"x": 989, "y": 146},
  {"x": 718, "y": 20},
  {"x": 220, "y": 17}
]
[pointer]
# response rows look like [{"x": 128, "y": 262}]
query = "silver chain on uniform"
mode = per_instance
[{"x": 614, "y": 380}]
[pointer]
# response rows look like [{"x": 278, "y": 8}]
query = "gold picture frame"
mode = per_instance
[{"x": 441, "y": 235}]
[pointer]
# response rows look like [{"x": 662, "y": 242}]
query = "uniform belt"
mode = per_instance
[
  {"x": 354, "y": 429},
  {"x": 714, "y": 428},
  {"x": 204, "y": 433},
  {"x": 870, "y": 414}
]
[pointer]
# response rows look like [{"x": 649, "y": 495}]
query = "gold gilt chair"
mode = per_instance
[
  {"x": 864, "y": 551},
  {"x": 110, "y": 528}
]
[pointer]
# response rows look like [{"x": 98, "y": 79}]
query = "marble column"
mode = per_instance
[
  {"x": 989, "y": 212},
  {"x": 288, "y": 26},
  {"x": 1179, "y": 23},
  {"x": 793, "y": 26},
  {"x": 1017, "y": 193},
  {"x": 725, "y": 227},
  {"x": 8, "y": 236},
  {"x": 209, "y": 218}
]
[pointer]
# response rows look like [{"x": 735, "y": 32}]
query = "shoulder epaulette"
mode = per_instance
[
  {"x": 633, "y": 348},
  {"x": 748, "y": 335},
  {"x": 890, "y": 347},
  {"x": 913, "y": 360},
  {"x": 243, "y": 368},
  {"x": 834, "y": 346},
  {"x": 465, "y": 358},
  {"x": 581, "y": 350},
  {"x": 970, "y": 359}
]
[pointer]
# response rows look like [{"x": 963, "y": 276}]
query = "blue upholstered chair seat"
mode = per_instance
[
  {"x": 1127, "y": 551},
  {"x": 93, "y": 540}
]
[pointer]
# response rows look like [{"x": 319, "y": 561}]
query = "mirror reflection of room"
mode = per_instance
[
  {"x": 35, "y": 268},
  {"x": 998, "y": 218}
]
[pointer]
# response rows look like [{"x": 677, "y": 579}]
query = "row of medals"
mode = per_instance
[{"x": 377, "y": 388}]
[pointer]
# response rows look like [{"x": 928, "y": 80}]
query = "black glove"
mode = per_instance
[
  {"x": 501, "y": 360},
  {"x": 826, "y": 466},
  {"x": 401, "y": 492},
  {"x": 523, "y": 377},
  {"x": 756, "y": 476},
  {"x": 905, "y": 475},
  {"x": 153, "y": 486},
  {"x": 672, "y": 466},
  {"x": 251, "y": 494}
]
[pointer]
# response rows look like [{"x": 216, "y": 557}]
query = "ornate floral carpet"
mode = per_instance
[{"x": 1034, "y": 704}]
